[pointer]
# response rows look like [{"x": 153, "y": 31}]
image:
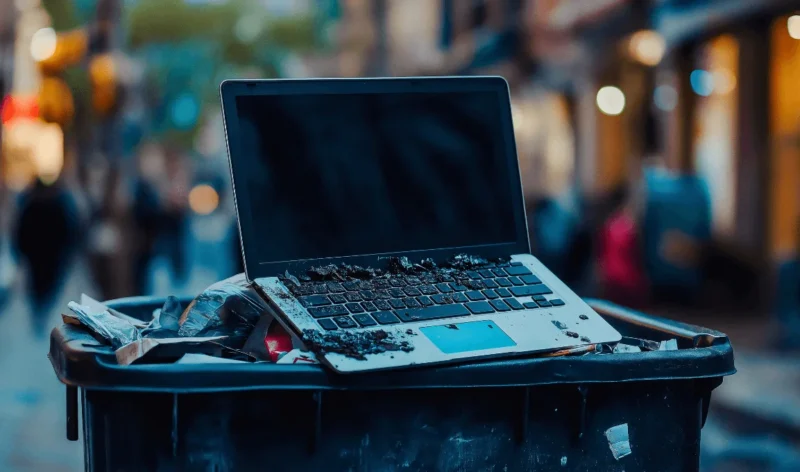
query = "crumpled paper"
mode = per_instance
[{"x": 116, "y": 331}]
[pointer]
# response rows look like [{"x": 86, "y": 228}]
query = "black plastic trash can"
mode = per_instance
[{"x": 520, "y": 414}]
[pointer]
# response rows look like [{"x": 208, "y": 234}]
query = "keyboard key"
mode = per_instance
[
  {"x": 381, "y": 283},
  {"x": 529, "y": 290},
  {"x": 320, "y": 289},
  {"x": 557, "y": 302},
  {"x": 397, "y": 282},
  {"x": 514, "y": 303},
  {"x": 515, "y": 280},
  {"x": 382, "y": 305},
  {"x": 486, "y": 274},
  {"x": 530, "y": 279},
  {"x": 480, "y": 308},
  {"x": 441, "y": 299},
  {"x": 543, "y": 303},
  {"x": 412, "y": 303},
  {"x": 460, "y": 298},
  {"x": 504, "y": 264},
  {"x": 385, "y": 317},
  {"x": 516, "y": 264},
  {"x": 498, "y": 272},
  {"x": 503, "y": 282},
  {"x": 458, "y": 287},
  {"x": 326, "y": 311},
  {"x": 500, "y": 305},
  {"x": 518, "y": 270},
  {"x": 327, "y": 324},
  {"x": 314, "y": 300},
  {"x": 412, "y": 280},
  {"x": 382, "y": 294},
  {"x": 304, "y": 289},
  {"x": 364, "y": 319},
  {"x": 474, "y": 275},
  {"x": 351, "y": 286},
  {"x": 412, "y": 291},
  {"x": 475, "y": 284},
  {"x": 338, "y": 298},
  {"x": 428, "y": 289},
  {"x": 425, "y": 300},
  {"x": 345, "y": 322},
  {"x": 530, "y": 305},
  {"x": 364, "y": 285},
  {"x": 475, "y": 295},
  {"x": 397, "y": 303},
  {"x": 490, "y": 294},
  {"x": 354, "y": 308},
  {"x": 490, "y": 283},
  {"x": 445, "y": 277},
  {"x": 369, "y": 306},
  {"x": 444, "y": 288},
  {"x": 397, "y": 293},
  {"x": 539, "y": 298},
  {"x": 503, "y": 292},
  {"x": 432, "y": 312},
  {"x": 367, "y": 295},
  {"x": 353, "y": 296},
  {"x": 428, "y": 279},
  {"x": 335, "y": 287}
]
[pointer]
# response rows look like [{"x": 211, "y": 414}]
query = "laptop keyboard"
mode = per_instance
[{"x": 420, "y": 297}]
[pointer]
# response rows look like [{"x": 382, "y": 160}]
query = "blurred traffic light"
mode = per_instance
[
  {"x": 56, "y": 104},
  {"x": 54, "y": 52},
  {"x": 104, "y": 80}
]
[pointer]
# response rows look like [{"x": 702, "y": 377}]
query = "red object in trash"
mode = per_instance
[{"x": 277, "y": 341}]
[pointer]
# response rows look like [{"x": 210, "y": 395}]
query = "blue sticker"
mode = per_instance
[{"x": 463, "y": 337}]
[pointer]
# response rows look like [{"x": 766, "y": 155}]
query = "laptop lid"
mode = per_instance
[{"x": 356, "y": 170}]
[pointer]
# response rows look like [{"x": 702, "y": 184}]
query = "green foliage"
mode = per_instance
[{"x": 62, "y": 14}]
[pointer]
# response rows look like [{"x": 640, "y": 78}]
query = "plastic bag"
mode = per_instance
[
  {"x": 115, "y": 330},
  {"x": 229, "y": 308},
  {"x": 166, "y": 320}
]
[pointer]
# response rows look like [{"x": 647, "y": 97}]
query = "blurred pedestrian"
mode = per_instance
[
  {"x": 621, "y": 260},
  {"x": 45, "y": 236},
  {"x": 175, "y": 212},
  {"x": 148, "y": 216}
]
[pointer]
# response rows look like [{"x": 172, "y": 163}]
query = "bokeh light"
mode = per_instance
[
  {"x": 610, "y": 100},
  {"x": 724, "y": 81},
  {"x": 793, "y": 25},
  {"x": 203, "y": 199},
  {"x": 702, "y": 82},
  {"x": 665, "y": 97},
  {"x": 43, "y": 44},
  {"x": 647, "y": 47}
]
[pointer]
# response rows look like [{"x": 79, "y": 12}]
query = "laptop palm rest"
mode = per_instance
[{"x": 463, "y": 337}]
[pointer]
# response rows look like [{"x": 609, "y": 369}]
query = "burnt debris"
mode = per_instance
[{"x": 356, "y": 345}]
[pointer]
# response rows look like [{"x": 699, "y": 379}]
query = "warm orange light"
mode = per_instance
[
  {"x": 203, "y": 199},
  {"x": 55, "y": 101},
  {"x": 647, "y": 47},
  {"x": 102, "y": 74},
  {"x": 55, "y": 52}
]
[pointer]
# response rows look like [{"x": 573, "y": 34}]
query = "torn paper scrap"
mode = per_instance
[
  {"x": 129, "y": 353},
  {"x": 669, "y": 345},
  {"x": 296, "y": 356},
  {"x": 206, "y": 359},
  {"x": 625, "y": 348},
  {"x": 99, "y": 307},
  {"x": 618, "y": 441}
]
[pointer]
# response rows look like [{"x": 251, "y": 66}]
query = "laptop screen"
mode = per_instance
[{"x": 337, "y": 175}]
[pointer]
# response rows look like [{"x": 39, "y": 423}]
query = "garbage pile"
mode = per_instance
[{"x": 230, "y": 321}]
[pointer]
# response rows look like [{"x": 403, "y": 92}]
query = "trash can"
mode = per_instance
[{"x": 632, "y": 412}]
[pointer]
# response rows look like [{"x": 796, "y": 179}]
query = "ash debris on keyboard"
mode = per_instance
[
  {"x": 395, "y": 266},
  {"x": 356, "y": 345}
]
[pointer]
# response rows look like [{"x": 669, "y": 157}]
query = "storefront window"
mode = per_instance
[
  {"x": 785, "y": 135},
  {"x": 714, "y": 81}
]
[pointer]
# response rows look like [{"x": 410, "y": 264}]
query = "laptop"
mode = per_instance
[{"x": 383, "y": 221}]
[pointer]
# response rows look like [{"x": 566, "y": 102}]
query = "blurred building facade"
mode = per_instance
[{"x": 603, "y": 90}]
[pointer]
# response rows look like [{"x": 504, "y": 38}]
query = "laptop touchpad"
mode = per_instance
[{"x": 462, "y": 337}]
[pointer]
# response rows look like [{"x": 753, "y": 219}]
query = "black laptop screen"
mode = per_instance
[{"x": 334, "y": 175}]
